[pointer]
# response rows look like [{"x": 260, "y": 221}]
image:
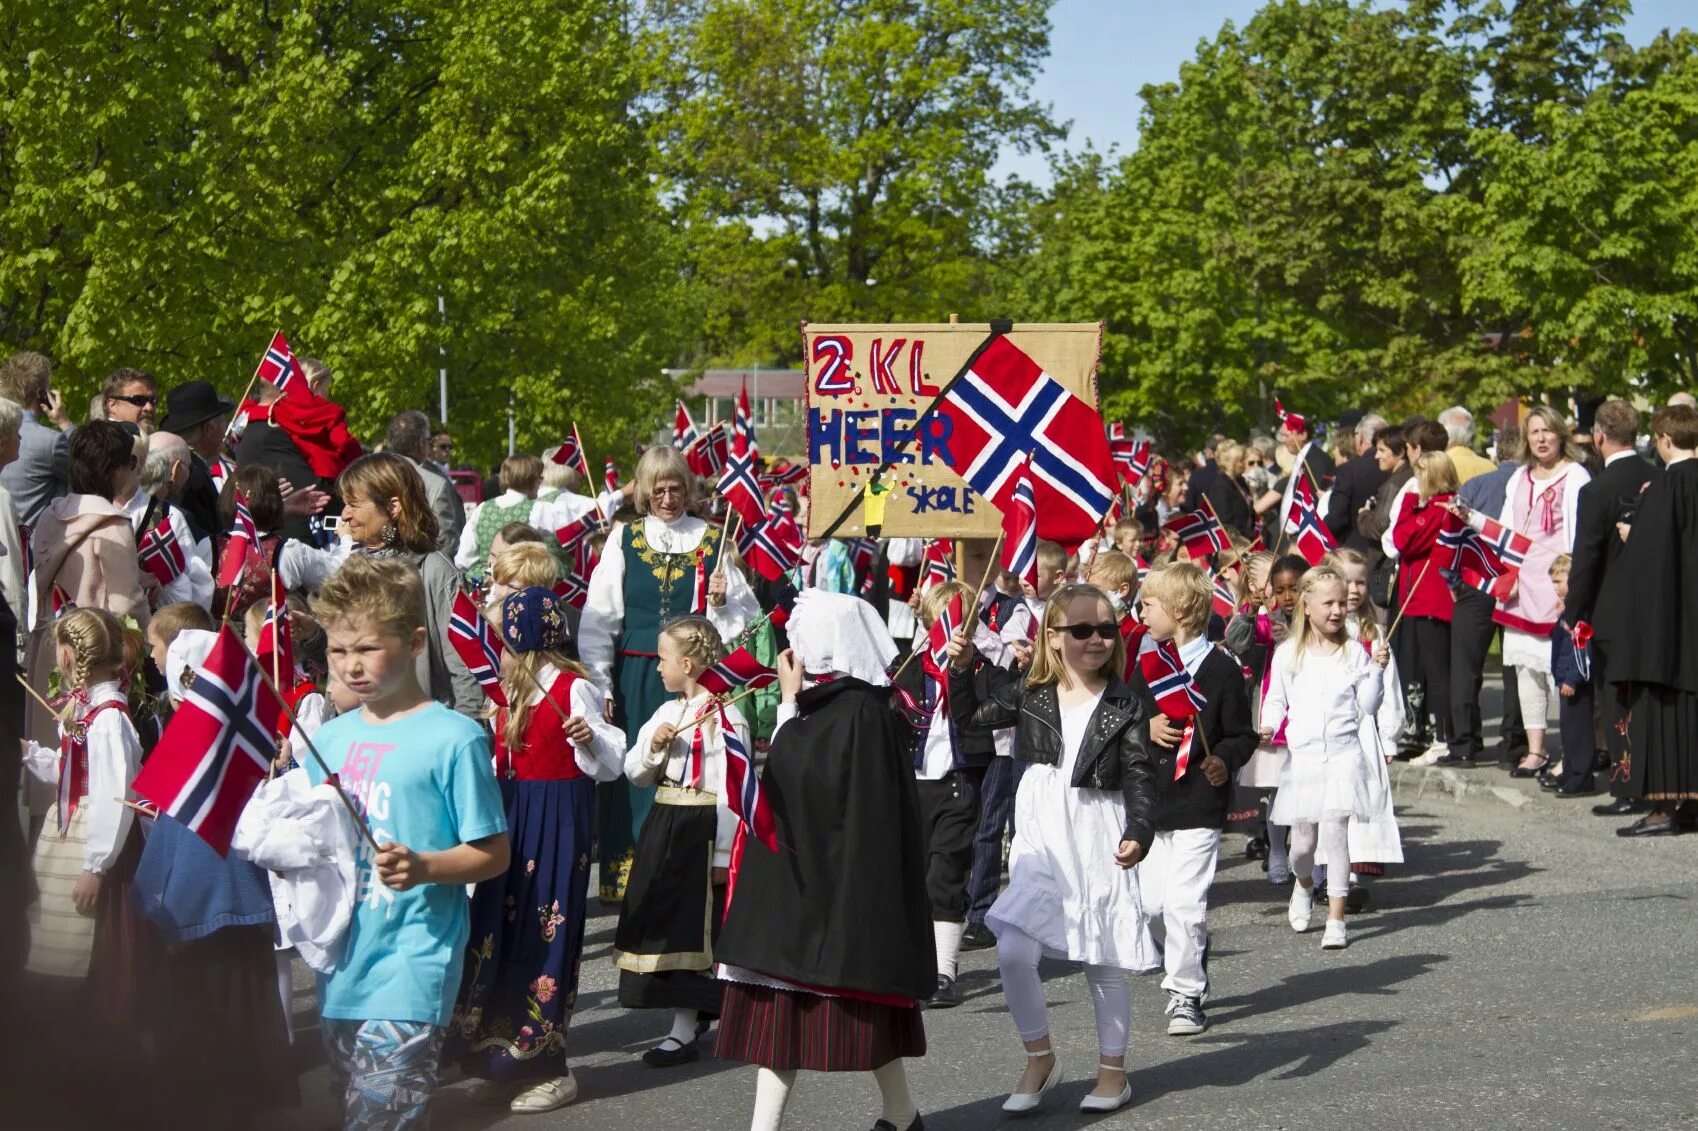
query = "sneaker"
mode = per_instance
[
  {"x": 1336, "y": 936},
  {"x": 1302, "y": 905},
  {"x": 1185, "y": 1016},
  {"x": 944, "y": 997},
  {"x": 1432, "y": 754}
]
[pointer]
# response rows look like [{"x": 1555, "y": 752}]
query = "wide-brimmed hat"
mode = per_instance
[{"x": 192, "y": 403}]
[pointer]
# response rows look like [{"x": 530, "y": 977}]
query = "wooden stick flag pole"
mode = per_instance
[
  {"x": 725, "y": 537},
  {"x": 984, "y": 580},
  {"x": 1404, "y": 607},
  {"x": 584, "y": 466},
  {"x": 36, "y": 695},
  {"x": 231, "y": 423},
  {"x": 713, "y": 709}
]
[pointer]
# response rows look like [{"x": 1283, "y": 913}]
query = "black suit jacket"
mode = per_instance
[
  {"x": 200, "y": 499},
  {"x": 264, "y": 443},
  {"x": 1202, "y": 478},
  {"x": 1355, "y": 483},
  {"x": 1231, "y": 507},
  {"x": 1598, "y": 549},
  {"x": 1191, "y": 802}
]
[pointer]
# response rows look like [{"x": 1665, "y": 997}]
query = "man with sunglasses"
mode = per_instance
[{"x": 131, "y": 396}]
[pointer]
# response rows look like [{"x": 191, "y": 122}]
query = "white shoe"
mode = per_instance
[
  {"x": 1020, "y": 1102},
  {"x": 1097, "y": 1105},
  {"x": 1336, "y": 936},
  {"x": 1430, "y": 755},
  {"x": 1302, "y": 905},
  {"x": 546, "y": 1096}
]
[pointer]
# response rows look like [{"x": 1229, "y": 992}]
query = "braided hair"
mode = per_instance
[{"x": 96, "y": 639}]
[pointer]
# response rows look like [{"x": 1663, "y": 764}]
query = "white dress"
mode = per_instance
[
  {"x": 1064, "y": 888},
  {"x": 1377, "y": 840},
  {"x": 1333, "y": 691}
]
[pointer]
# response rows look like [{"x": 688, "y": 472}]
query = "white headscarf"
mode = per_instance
[
  {"x": 189, "y": 650},
  {"x": 842, "y": 634}
]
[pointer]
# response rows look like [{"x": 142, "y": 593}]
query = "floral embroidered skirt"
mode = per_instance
[{"x": 527, "y": 938}]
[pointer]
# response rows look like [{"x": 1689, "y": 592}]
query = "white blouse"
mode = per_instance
[
  {"x": 604, "y": 609},
  {"x": 604, "y": 758},
  {"x": 1324, "y": 697},
  {"x": 645, "y": 767},
  {"x": 114, "y": 757}
]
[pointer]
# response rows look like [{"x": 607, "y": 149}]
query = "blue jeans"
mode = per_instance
[{"x": 996, "y": 817}]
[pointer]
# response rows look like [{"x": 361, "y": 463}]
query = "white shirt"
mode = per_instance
[
  {"x": 307, "y": 567},
  {"x": 1324, "y": 699},
  {"x": 1409, "y": 488},
  {"x": 645, "y": 767},
  {"x": 195, "y": 583},
  {"x": 114, "y": 757},
  {"x": 466, "y": 553},
  {"x": 604, "y": 758},
  {"x": 604, "y": 609},
  {"x": 1616, "y": 457},
  {"x": 561, "y": 508}
]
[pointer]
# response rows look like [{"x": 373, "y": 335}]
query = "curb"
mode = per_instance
[{"x": 1439, "y": 779}]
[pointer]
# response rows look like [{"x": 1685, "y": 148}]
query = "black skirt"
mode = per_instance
[
  {"x": 671, "y": 914},
  {"x": 1662, "y": 743}
]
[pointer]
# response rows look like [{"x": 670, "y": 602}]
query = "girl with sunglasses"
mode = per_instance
[{"x": 1082, "y": 821}]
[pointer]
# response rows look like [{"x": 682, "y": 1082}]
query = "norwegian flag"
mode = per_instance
[
  {"x": 773, "y": 548},
  {"x": 785, "y": 475},
  {"x": 863, "y": 559},
  {"x": 217, "y": 747},
  {"x": 745, "y": 442},
  {"x": 243, "y": 538},
  {"x": 742, "y": 491},
  {"x": 24, "y": 536},
  {"x": 1005, "y": 410},
  {"x": 475, "y": 640},
  {"x": 708, "y": 455},
  {"x": 276, "y": 648},
  {"x": 738, "y": 670},
  {"x": 221, "y": 469},
  {"x": 1511, "y": 548},
  {"x": 683, "y": 428},
  {"x": 936, "y": 659},
  {"x": 1308, "y": 533},
  {"x": 1289, "y": 420},
  {"x": 280, "y": 367},
  {"x": 609, "y": 476},
  {"x": 937, "y": 563},
  {"x": 1475, "y": 562},
  {"x": 572, "y": 589},
  {"x": 1200, "y": 530},
  {"x": 1020, "y": 530},
  {"x": 1223, "y": 603},
  {"x": 569, "y": 454},
  {"x": 574, "y": 537},
  {"x": 743, "y": 794},
  {"x": 161, "y": 554}
]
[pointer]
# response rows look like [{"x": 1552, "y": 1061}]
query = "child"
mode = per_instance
[
  {"x": 1574, "y": 708},
  {"x": 670, "y": 919},
  {"x": 521, "y": 982},
  {"x": 1423, "y": 596},
  {"x": 1376, "y": 842},
  {"x": 949, "y": 757},
  {"x": 166, "y": 624},
  {"x": 421, "y": 775},
  {"x": 1321, "y": 688},
  {"x": 1086, "y": 802},
  {"x": 1175, "y": 876},
  {"x": 1129, "y": 536},
  {"x": 1116, "y": 575},
  {"x": 1254, "y": 631}
]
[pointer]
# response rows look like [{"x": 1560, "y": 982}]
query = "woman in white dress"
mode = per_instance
[{"x": 1082, "y": 821}]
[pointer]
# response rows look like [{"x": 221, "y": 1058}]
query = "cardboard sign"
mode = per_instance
[{"x": 868, "y": 387}]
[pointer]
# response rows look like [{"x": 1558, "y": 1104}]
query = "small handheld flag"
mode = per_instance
[
  {"x": 161, "y": 554},
  {"x": 474, "y": 639},
  {"x": 738, "y": 670},
  {"x": 242, "y": 540}
]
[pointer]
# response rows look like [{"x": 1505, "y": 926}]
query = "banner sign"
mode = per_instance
[{"x": 868, "y": 391}]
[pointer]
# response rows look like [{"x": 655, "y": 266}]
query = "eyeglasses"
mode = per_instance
[
  {"x": 666, "y": 489},
  {"x": 140, "y": 400},
  {"x": 1107, "y": 630}
]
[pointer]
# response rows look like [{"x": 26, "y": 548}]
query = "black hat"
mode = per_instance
[
  {"x": 192, "y": 403},
  {"x": 1349, "y": 419}
]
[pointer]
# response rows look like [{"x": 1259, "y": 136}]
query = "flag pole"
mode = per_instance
[
  {"x": 1403, "y": 608},
  {"x": 276, "y": 655},
  {"x": 36, "y": 695},
  {"x": 359, "y": 820},
  {"x": 584, "y": 466},
  {"x": 231, "y": 423},
  {"x": 712, "y": 708}
]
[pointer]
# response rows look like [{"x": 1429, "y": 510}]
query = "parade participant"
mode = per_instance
[
  {"x": 82, "y": 927},
  {"x": 521, "y": 478},
  {"x": 1661, "y": 618},
  {"x": 1266, "y": 627},
  {"x": 663, "y": 566},
  {"x": 676, "y": 899},
  {"x": 1085, "y": 807},
  {"x": 1423, "y": 591},
  {"x": 827, "y": 948},
  {"x": 1322, "y": 686},
  {"x": 302, "y": 436},
  {"x": 422, "y": 774},
  {"x": 1116, "y": 575},
  {"x": 1174, "y": 879},
  {"x": 1571, "y": 671},
  {"x": 385, "y": 516},
  {"x": 521, "y": 978}
]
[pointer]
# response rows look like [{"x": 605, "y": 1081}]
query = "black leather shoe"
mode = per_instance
[
  {"x": 977, "y": 937},
  {"x": 1548, "y": 781},
  {"x": 1600, "y": 761},
  {"x": 1644, "y": 826},
  {"x": 1585, "y": 787},
  {"x": 1620, "y": 807},
  {"x": 944, "y": 997},
  {"x": 1456, "y": 762},
  {"x": 1529, "y": 771},
  {"x": 886, "y": 1125},
  {"x": 664, "y": 1055}
]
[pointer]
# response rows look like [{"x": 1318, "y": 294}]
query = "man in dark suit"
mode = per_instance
[
  {"x": 1203, "y": 474},
  {"x": 1355, "y": 484},
  {"x": 1597, "y": 584},
  {"x": 195, "y": 411}
]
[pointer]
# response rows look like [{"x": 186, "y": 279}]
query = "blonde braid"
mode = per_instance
[
  {"x": 96, "y": 640},
  {"x": 697, "y": 640}
]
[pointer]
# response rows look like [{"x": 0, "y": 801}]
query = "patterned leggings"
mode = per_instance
[{"x": 385, "y": 1071}]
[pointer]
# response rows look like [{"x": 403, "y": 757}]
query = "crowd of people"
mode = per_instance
[{"x": 1045, "y": 765}]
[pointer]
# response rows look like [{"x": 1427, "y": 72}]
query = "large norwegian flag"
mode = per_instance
[
  {"x": 683, "y": 428},
  {"x": 475, "y": 641},
  {"x": 217, "y": 747},
  {"x": 280, "y": 367},
  {"x": 745, "y": 443},
  {"x": 1308, "y": 533},
  {"x": 1004, "y": 409},
  {"x": 707, "y": 455},
  {"x": 1200, "y": 531},
  {"x": 276, "y": 648},
  {"x": 742, "y": 490},
  {"x": 1020, "y": 530},
  {"x": 243, "y": 538},
  {"x": 161, "y": 554},
  {"x": 738, "y": 670},
  {"x": 773, "y": 548}
]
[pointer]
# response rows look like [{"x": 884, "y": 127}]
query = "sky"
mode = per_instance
[{"x": 1103, "y": 51}]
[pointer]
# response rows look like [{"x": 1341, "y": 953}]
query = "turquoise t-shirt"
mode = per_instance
[{"x": 424, "y": 781}]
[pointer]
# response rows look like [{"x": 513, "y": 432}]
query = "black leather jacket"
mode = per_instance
[{"x": 1114, "y": 755}]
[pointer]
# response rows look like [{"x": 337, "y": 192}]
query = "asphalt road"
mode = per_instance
[{"x": 1524, "y": 967}]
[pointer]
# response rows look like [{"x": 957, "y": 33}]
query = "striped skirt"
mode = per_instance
[
  {"x": 61, "y": 938},
  {"x": 789, "y": 1029}
]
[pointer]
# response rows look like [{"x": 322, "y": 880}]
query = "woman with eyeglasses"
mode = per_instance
[
  {"x": 1083, "y": 818},
  {"x": 653, "y": 570},
  {"x": 85, "y": 551}
]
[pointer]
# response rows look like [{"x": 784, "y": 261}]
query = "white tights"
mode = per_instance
[
  {"x": 1017, "y": 953},
  {"x": 1333, "y": 834},
  {"x": 772, "y": 1093}
]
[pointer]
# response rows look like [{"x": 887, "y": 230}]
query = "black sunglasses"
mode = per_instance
[
  {"x": 1107, "y": 630},
  {"x": 140, "y": 400}
]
